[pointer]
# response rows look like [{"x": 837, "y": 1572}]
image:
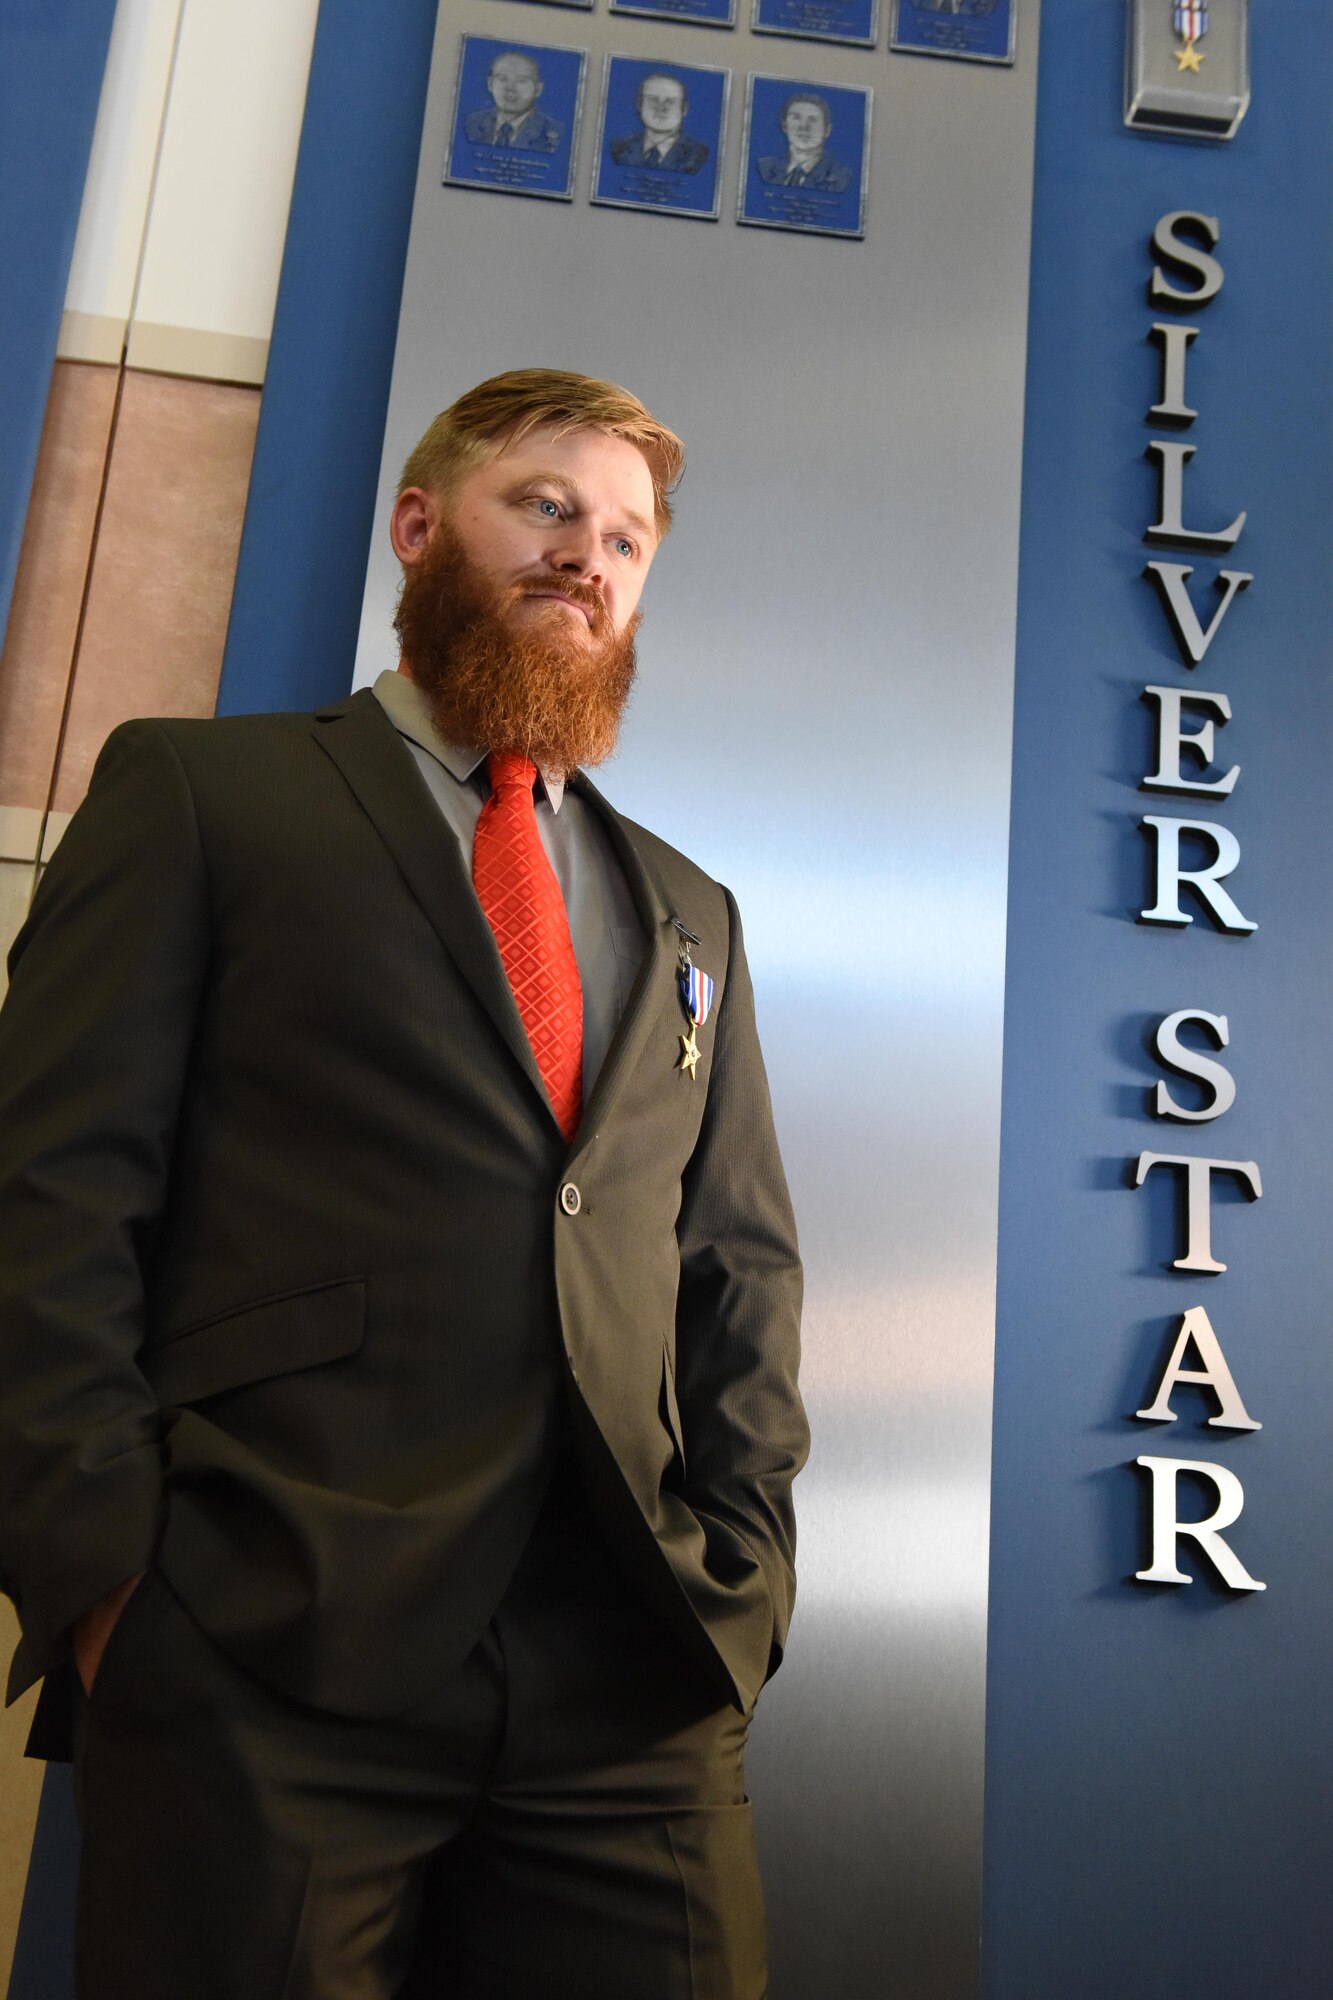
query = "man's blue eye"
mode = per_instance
[
  {"x": 626, "y": 548},
  {"x": 548, "y": 507}
]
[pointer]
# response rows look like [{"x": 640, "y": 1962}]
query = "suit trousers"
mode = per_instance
[{"x": 565, "y": 1816}]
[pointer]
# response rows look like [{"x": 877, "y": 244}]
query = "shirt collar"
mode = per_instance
[{"x": 408, "y": 710}]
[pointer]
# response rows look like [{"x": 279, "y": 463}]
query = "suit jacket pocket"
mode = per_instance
[{"x": 273, "y": 1336}]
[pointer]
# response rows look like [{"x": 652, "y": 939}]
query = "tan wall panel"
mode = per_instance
[
  {"x": 20, "y": 1784},
  {"x": 152, "y": 644},
  {"x": 43, "y": 619},
  {"x": 183, "y": 350},
  {"x": 16, "y": 884},
  {"x": 165, "y": 563}
]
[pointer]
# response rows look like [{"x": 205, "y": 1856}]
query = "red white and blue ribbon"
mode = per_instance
[
  {"x": 696, "y": 990},
  {"x": 1191, "y": 19}
]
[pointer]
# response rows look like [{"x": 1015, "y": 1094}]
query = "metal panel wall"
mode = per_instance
[{"x": 823, "y": 722}]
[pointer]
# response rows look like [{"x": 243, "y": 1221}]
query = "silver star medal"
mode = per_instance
[{"x": 696, "y": 993}]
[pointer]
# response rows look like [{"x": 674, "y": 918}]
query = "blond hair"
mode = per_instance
[{"x": 500, "y": 411}]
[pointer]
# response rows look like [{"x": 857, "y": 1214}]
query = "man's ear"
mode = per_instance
[{"x": 416, "y": 512}]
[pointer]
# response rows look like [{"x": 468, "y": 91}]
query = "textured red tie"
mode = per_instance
[{"x": 516, "y": 886}]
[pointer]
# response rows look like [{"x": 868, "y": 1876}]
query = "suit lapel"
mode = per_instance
[
  {"x": 367, "y": 749},
  {"x": 361, "y": 740},
  {"x": 656, "y": 974}
]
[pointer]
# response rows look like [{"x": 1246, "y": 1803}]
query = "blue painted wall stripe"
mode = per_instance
[
  {"x": 1158, "y": 1773},
  {"x": 52, "y": 60},
  {"x": 291, "y": 641}
]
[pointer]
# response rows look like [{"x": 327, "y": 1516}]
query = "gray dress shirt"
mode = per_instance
[{"x": 604, "y": 925}]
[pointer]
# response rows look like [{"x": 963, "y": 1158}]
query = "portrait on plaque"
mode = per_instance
[
  {"x": 806, "y": 156},
  {"x": 819, "y": 20},
  {"x": 659, "y": 141},
  {"x": 711, "y": 13},
  {"x": 516, "y": 114},
  {"x": 975, "y": 30}
]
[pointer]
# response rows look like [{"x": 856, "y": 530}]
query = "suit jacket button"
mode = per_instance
[{"x": 570, "y": 1199}]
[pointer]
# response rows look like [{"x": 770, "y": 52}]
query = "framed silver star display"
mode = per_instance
[{"x": 1187, "y": 67}]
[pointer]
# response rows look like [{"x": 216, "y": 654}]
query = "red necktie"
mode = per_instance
[{"x": 517, "y": 889}]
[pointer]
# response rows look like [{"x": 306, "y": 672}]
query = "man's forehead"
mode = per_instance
[{"x": 552, "y": 451}]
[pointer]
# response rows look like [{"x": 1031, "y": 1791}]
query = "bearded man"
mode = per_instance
[{"x": 398, "y": 1302}]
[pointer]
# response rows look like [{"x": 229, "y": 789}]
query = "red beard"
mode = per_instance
[{"x": 542, "y": 688}]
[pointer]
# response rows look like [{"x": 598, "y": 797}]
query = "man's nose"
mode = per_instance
[{"x": 579, "y": 552}]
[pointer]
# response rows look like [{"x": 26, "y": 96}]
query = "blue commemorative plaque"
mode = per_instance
[
  {"x": 516, "y": 114},
  {"x": 975, "y": 30},
  {"x": 659, "y": 141},
  {"x": 806, "y": 156},
  {"x": 711, "y": 13},
  {"x": 819, "y": 20}
]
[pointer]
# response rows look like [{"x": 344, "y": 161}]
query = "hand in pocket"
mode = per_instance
[{"x": 93, "y": 1627}]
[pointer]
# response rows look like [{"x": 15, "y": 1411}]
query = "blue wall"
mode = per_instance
[
  {"x": 52, "y": 56},
  {"x": 1158, "y": 1776},
  {"x": 291, "y": 642}
]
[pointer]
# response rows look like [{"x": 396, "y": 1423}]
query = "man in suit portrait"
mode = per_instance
[
  {"x": 662, "y": 103},
  {"x": 513, "y": 116},
  {"x": 399, "y": 1301},
  {"x": 807, "y": 124}
]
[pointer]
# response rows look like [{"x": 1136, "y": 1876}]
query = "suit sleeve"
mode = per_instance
[
  {"x": 739, "y": 1305},
  {"x": 94, "y": 1040}
]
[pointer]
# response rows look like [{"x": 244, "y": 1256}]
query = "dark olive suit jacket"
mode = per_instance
[{"x": 292, "y": 1299}]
